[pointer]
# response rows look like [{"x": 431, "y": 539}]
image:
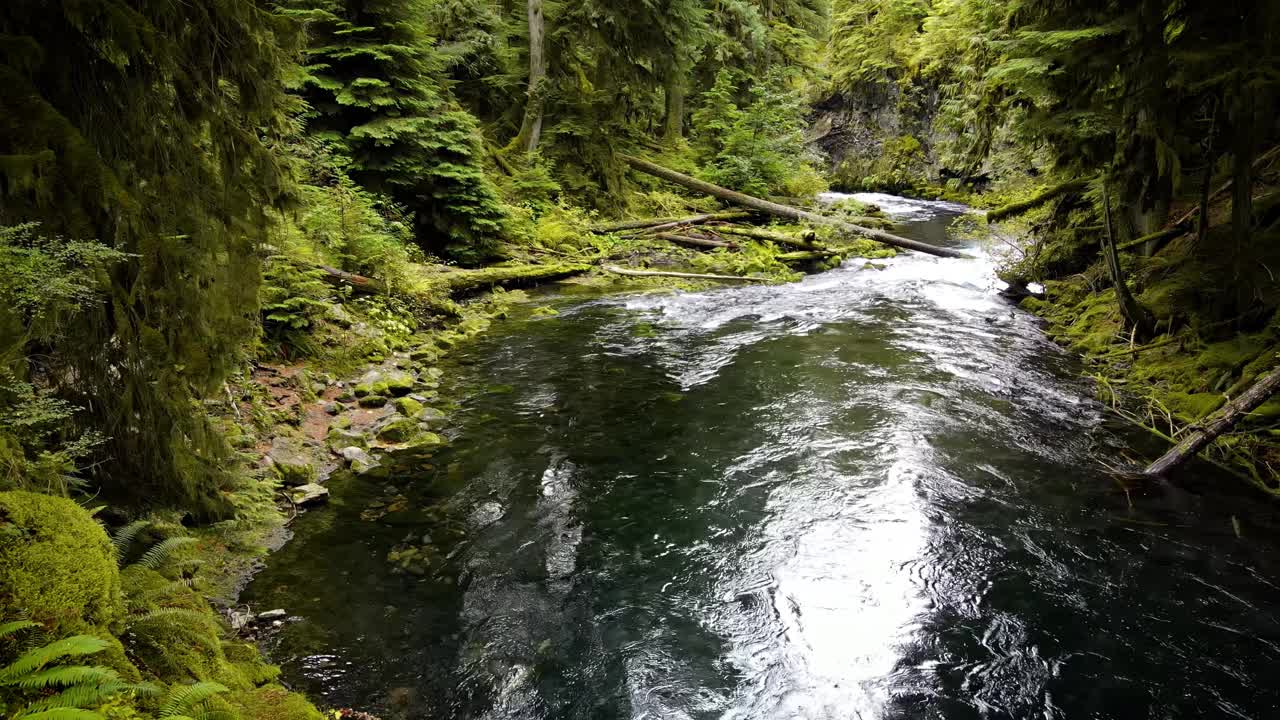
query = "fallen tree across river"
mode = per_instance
[
  {"x": 785, "y": 211},
  {"x": 693, "y": 276}
]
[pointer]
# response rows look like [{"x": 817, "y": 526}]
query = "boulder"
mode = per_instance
[
  {"x": 431, "y": 417},
  {"x": 340, "y": 438},
  {"x": 424, "y": 354},
  {"x": 395, "y": 383},
  {"x": 361, "y": 462},
  {"x": 373, "y": 401},
  {"x": 290, "y": 462},
  {"x": 408, "y": 406},
  {"x": 400, "y": 429}
]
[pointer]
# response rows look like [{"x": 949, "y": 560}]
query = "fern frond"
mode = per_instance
[
  {"x": 186, "y": 697},
  {"x": 38, "y": 658},
  {"x": 61, "y": 714},
  {"x": 123, "y": 538},
  {"x": 67, "y": 676},
  {"x": 80, "y": 696},
  {"x": 193, "y": 616},
  {"x": 8, "y": 629},
  {"x": 160, "y": 554},
  {"x": 160, "y": 592}
]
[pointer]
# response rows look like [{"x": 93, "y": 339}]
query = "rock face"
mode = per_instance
[
  {"x": 290, "y": 462},
  {"x": 882, "y": 131}
]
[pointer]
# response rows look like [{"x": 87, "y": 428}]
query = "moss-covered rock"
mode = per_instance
[
  {"x": 273, "y": 702},
  {"x": 57, "y": 566},
  {"x": 340, "y": 438},
  {"x": 399, "y": 430},
  {"x": 431, "y": 417},
  {"x": 394, "y": 383},
  {"x": 408, "y": 406},
  {"x": 293, "y": 465},
  {"x": 373, "y": 401}
]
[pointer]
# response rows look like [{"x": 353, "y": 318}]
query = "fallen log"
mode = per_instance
[
  {"x": 785, "y": 211},
  {"x": 805, "y": 256},
  {"x": 769, "y": 235},
  {"x": 359, "y": 284},
  {"x": 694, "y": 241},
  {"x": 1019, "y": 208},
  {"x": 459, "y": 282},
  {"x": 668, "y": 221},
  {"x": 1155, "y": 237},
  {"x": 1216, "y": 424},
  {"x": 694, "y": 276}
]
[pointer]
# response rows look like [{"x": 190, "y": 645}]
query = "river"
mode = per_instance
[{"x": 876, "y": 493}]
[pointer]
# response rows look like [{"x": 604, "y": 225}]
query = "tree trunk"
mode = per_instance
[
  {"x": 1135, "y": 316},
  {"x": 785, "y": 211},
  {"x": 695, "y": 276},
  {"x": 1206, "y": 187},
  {"x": 773, "y": 237},
  {"x": 531, "y": 129},
  {"x": 1242, "y": 191},
  {"x": 674, "y": 131},
  {"x": 1216, "y": 424},
  {"x": 1019, "y": 208}
]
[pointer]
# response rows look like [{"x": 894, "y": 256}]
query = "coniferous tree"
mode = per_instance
[{"x": 373, "y": 80}]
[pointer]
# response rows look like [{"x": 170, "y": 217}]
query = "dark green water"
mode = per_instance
[{"x": 872, "y": 494}]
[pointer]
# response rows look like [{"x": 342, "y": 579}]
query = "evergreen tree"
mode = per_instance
[
  {"x": 373, "y": 79},
  {"x": 147, "y": 126}
]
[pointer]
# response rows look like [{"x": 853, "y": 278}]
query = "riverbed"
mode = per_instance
[{"x": 879, "y": 492}]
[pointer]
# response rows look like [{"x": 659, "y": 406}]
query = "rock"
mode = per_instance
[
  {"x": 396, "y": 383},
  {"x": 373, "y": 401},
  {"x": 434, "y": 373},
  {"x": 339, "y": 316},
  {"x": 318, "y": 388},
  {"x": 361, "y": 462},
  {"x": 340, "y": 438},
  {"x": 486, "y": 514},
  {"x": 399, "y": 430},
  {"x": 333, "y": 408},
  {"x": 412, "y": 453},
  {"x": 424, "y": 354},
  {"x": 310, "y": 494},
  {"x": 342, "y": 421},
  {"x": 269, "y": 615},
  {"x": 408, "y": 406},
  {"x": 431, "y": 417},
  {"x": 291, "y": 464},
  {"x": 345, "y": 397}
]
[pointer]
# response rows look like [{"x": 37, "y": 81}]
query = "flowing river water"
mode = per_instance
[{"x": 875, "y": 493}]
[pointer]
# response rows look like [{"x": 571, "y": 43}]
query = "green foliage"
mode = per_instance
[
  {"x": 872, "y": 40},
  {"x": 293, "y": 298},
  {"x": 760, "y": 149},
  {"x": 372, "y": 79},
  {"x": 40, "y": 687},
  {"x": 149, "y": 127},
  {"x": 57, "y": 566}
]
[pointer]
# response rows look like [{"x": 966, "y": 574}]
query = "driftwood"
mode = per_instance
[
  {"x": 694, "y": 276},
  {"x": 774, "y": 237},
  {"x": 785, "y": 211},
  {"x": 668, "y": 221},
  {"x": 1019, "y": 208},
  {"x": 1216, "y": 424}
]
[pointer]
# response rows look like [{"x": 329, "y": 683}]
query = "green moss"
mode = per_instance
[
  {"x": 273, "y": 702},
  {"x": 408, "y": 406},
  {"x": 57, "y": 566},
  {"x": 1192, "y": 406},
  {"x": 372, "y": 401},
  {"x": 398, "y": 430}
]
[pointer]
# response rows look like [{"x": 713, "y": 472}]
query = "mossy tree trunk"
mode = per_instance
[
  {"x": 531, "y": 128},
  {"x": 1136, "y": 317}
]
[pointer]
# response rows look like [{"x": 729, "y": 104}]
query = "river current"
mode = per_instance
[{"x": 876, "y": 493}]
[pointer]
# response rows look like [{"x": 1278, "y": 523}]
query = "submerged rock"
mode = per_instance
[
  {"x": 431, "y": 417},
  {"x": 362, "y": 463}
]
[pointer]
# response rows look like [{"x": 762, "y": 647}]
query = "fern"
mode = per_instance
[
  {"x": 182, "y": 699},
  {"x": 10, "y": 628},
  {"x": 77, "y": 686},
  {"x": 36, "y": 659},
  {"x": 161, "y": 553},
  {"x": 123, "y": 538}
]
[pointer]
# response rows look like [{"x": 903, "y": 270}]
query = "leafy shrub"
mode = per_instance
[{"x": 294, "y": 298}]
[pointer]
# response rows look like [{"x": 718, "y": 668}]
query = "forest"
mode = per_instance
[{"x": 216, "y": 214}]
